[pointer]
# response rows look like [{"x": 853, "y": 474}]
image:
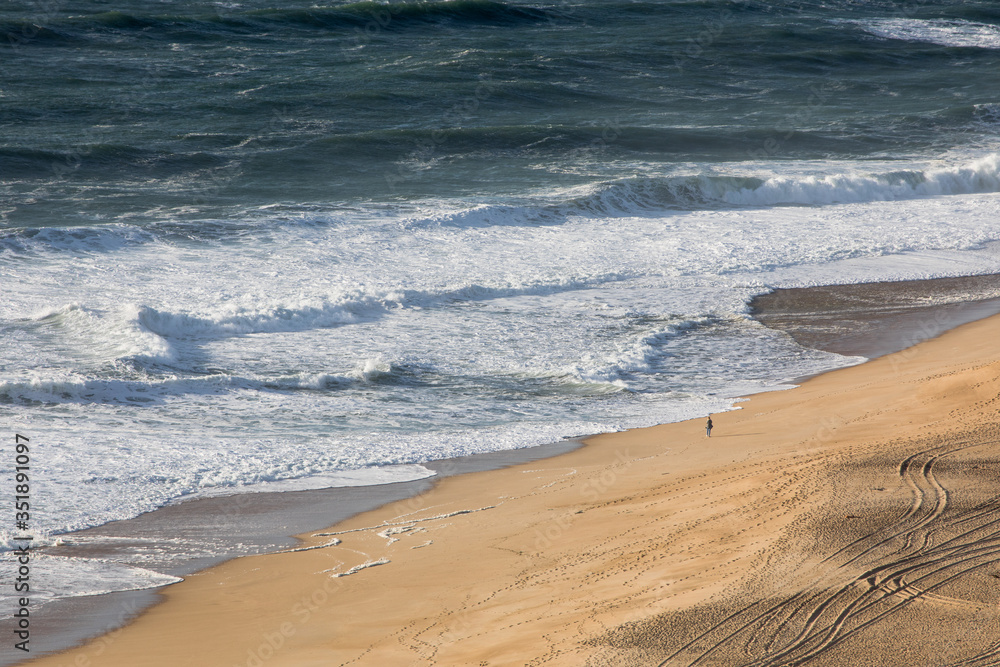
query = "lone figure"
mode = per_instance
[{"x": 708, "y": 427}]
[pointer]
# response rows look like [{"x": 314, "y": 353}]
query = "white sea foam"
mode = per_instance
[
  {"x": 265, "y": 317},
  {"x": 322, "y": 311},
  {"x": 362, "y": 566},
  {"x": 78, "y": 577},
  {"x": 372, "y": 476},
  {"x": 944, "y": 32},
  {"x": 115, "y": 334},
  {"x": 982, "y": 175}
]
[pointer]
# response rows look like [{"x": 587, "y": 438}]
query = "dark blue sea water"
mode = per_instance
[
  {"x": 177, "y": 111},
  {"x": 254, "y": 245}
]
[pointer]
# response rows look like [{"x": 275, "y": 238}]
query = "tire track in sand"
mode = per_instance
[{"x": 904, "y": 566}]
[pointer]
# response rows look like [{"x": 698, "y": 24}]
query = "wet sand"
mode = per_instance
[{"x": 875, "y": 319}]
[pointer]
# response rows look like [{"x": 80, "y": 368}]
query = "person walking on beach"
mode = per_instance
[{"x": 708, "y": 427}]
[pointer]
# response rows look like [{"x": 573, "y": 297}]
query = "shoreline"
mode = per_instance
[
  {"x": 259, "y": 523},
  {"x": 383, "y": 495},
  {"x": 653, "y": 545}
]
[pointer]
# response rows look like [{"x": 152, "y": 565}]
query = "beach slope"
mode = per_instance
[{"x": 854, "y": 520}]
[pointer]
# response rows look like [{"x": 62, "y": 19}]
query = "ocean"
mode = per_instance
[{"x": 254, "y": 246}]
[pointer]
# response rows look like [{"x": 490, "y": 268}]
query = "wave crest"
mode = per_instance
[
  {"x": 943, "y": 32},
  {"x": 711, "y": 191},
  {"x": 118, "y": 334},
  {"x": 150, "y": 391}
]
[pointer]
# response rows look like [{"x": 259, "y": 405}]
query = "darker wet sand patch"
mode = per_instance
[{"x": 875, "y": 319}]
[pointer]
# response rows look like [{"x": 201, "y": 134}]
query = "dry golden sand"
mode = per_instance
[{"x": 854, "y": 520}]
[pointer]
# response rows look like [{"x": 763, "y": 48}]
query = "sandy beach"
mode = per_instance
[{"x": 849, "y": 521}]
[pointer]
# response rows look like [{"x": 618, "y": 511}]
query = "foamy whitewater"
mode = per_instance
[{"x": 456, "y": 247}]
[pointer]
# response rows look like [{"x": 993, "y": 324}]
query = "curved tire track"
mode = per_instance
[{"x": 900, "y": 575}]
